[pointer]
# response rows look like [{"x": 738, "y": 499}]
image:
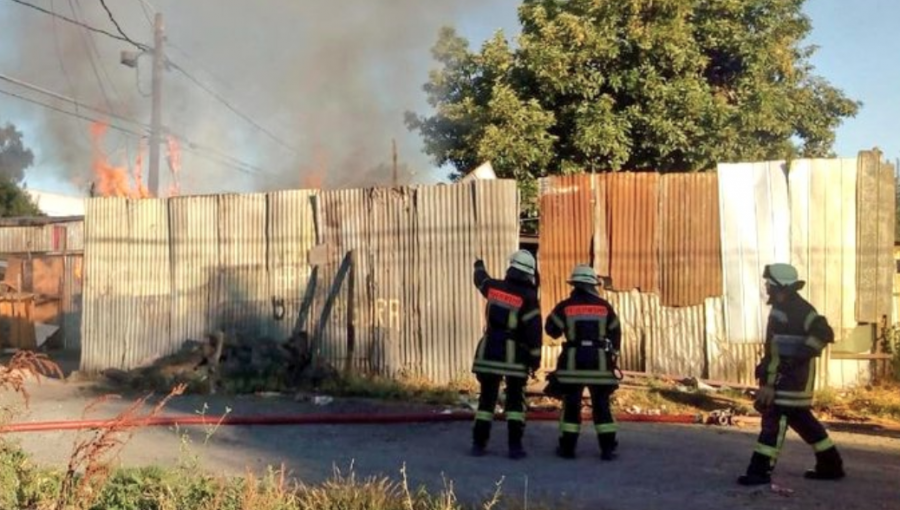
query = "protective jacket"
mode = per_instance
[
  {"x": 593, "y": 339},
  {"x": 796, "y": 335},
  {"x": 511, "y": 343}
]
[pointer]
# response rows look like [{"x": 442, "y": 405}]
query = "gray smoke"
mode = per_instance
[{"x": 331, "y": 78}]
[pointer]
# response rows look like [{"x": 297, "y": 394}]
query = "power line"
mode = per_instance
[
  {"x": 69, "y": 113},
  {"x": 87, "y": 41},
  {"x": 230, "y": 107},
  {"x": 140, "y": 46},
  {"x": 116, "y": 23}
]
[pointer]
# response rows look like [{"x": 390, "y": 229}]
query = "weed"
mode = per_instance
[
  {"x": 403, "y": 388},
  {"x": 22, "y": 366}
]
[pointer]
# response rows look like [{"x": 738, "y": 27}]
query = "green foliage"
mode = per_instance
[
  {"x": 15, "y": 202},
  {"x": 14, "y": 156},
  {"x": 598, "y": 85}
]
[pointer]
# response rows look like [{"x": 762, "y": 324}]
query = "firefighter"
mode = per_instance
[
  {"x": 795, "y": 337},
  {"x": 510, "y": 348},
  {"x": 588, "y": 358}
]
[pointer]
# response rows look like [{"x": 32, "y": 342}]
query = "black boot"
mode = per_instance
[
  {"x": 759, "y": 472},
  {"x": 516, "y": 431},
  {"x": 829, "y": 466},
  {"x": 608, "y": 445},
  {"x": 481, "y": 432},
  {"x": 567, "y": 443}
]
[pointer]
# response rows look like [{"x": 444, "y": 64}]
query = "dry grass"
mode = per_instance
[
  {"x": 403, "y": 388},
  {"x": 90, "y": 463},
  {"x": 880, "y": 401},
  {"x": 23, "y": 366}
]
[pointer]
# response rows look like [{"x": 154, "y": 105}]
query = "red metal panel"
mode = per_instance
[
  {"x": 690, "y": 243},
  {"x": 633, "y": 222}
]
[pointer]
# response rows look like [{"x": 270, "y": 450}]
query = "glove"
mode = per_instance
[{"x": 765, "y": 397}]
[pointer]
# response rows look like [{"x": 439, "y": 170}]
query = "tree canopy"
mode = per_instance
[
  {"x": 604, "y": 85},
  {"x": 14, "y": 159}
]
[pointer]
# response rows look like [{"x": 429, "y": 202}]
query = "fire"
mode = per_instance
[
  {"x": 174, "y": 159},
  {"x": 113, "y": 181},
  {"x": 313, "y": 177}
]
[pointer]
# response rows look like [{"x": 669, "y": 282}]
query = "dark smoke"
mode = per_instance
[{"x": 331, "y": 78}]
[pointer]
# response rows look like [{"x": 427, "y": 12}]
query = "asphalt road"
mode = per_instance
[{"x": 660, "y": 466}]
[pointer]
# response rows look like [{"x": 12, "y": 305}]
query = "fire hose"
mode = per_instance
[{"x": 314, "y": 419}]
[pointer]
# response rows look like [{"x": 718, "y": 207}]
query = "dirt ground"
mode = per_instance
[{"x": 660, "y": 466}]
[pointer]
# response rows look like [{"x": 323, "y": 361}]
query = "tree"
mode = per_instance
[
  {"x": 603, "y": 85},
  {"x": 14, "y": 156},
  {"x": 14, "y": 159}
]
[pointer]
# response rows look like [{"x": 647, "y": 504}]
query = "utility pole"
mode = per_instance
[
  {"x": 394, "y": 169},
  {"x": 159, "y": 60}
]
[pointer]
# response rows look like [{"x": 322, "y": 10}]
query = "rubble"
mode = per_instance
[{"x": 230, "y": 364}]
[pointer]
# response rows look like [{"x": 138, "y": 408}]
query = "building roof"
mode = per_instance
[{"x": 55, "y": 204}]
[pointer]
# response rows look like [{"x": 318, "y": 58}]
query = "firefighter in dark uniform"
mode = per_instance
[
  {"x": 588, "y": 358},
  {"x": 795, "y": 336},
  {"x": 510, "y": 348}
]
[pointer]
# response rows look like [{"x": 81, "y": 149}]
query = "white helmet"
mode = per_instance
[
  {"x": 584, "y": 273},
  {"x": 523, "y": 260}
]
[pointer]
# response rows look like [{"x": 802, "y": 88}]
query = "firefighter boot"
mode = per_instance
[
  {"x": 759, "y": 471},
  {"x": 480, "y": 435},
  {"x": 567, "y": 443},
  {"x": 829, "y": 466},
  {"x": 516, "y": 431},
  {"x": 608, "y": 445}
]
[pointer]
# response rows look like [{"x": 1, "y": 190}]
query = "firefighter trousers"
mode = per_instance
[
  {"x": 775, "y": 422},
  {"x": 514, "y": 409},
  {"x": 570, "y": 421}
]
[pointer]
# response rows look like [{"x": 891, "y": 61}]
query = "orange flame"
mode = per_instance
[
  {"x": 113, "y": 181},
  {"x": 313, "y": 177},
  {"x": 174, "y": 159}
]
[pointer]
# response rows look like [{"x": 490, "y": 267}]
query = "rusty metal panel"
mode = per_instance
[
  {"x": 823, "y": 236},
  {"x": 633, "y": 225},
  {"x": 291, "y": 235},
  {"x": 755, "y": 219},
  {"x": 72, "y": 301},
  {"x": 690, "y": 243},
  {"x": 566, "y": 229},
  {"x": 875, "y": 236},
  {"x": 127, "y": 286},
  {"x": 241, "y": 302},
  {"x": 195, "y": 264}
]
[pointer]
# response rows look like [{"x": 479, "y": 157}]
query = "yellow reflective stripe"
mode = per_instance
[
  {"x": 614, "y": 324},
  {"x": 811, "y": 377},
  {"x": 500, "y": 371},
  {"x": 793, "y": 394},
  {"x": 481, "y": 346},
  {"x": 535, "y": 352},
  {"x": 498, "y": 364},
  {"x": 812, "y": 316},
  {"x": 772, "y": 369},
  {"x": 510, "y": 352},
  {"x": 815, "y": 343},
  {"x": 768, "y": 451},
  {"x": 569, "y": 427},
  {"x": 556, "y": 320},
  {"x": 782, "y": 432},
  {"x": 484, "y": 416},
  {"x": 606, "y": 428},
  {"x": 823, "y": 445},
  {"x": 531, "y": 315},
  {"x": 793, "y": 403},
  {"x": 515, "y": 416}
]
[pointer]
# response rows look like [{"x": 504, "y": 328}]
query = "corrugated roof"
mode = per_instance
[{"x": 690, "y": 246}]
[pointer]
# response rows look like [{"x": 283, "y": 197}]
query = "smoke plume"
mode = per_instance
[{"x": 331, "y": 79}]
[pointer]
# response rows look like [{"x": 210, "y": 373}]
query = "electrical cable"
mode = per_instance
[{"x": 139, "y": 46}]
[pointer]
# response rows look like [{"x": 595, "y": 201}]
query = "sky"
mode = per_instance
[{"x": 285, "y": 68}]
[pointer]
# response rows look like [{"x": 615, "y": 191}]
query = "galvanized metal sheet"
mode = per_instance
[
  {"x": 875, "y": 235},
  {"x": 127, "y": 283},
  {"x": 291, "y": 234},
  {"x": 823, "y": 236},
  {"x": 633, "y": 216},
  {"x": 72, "y": 302},
  {"x": 567, "y": 228},
  {"x": 632, "y": 310},
  {"x": 755, "y": 222},
  {"x": 690, "y": 244},
  {"x": 241, "y": 299},
  {"x": 195, "y": 265}
]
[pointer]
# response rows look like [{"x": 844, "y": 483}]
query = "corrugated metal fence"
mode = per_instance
[{"x": 159, "y": 272}]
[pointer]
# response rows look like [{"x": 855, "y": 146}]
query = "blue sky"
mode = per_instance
[{"x": 858, "y": 48}]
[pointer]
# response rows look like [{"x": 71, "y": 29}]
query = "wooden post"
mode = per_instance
[{"x": 351, "y": 304}]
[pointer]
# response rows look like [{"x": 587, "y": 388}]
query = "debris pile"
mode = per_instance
[{"x": 233, "y": 364}]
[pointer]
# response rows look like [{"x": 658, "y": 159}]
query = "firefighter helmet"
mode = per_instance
[
  {"x": 584, "y": 274},
  {"x": 523, "y": 260},
  {"x": 782, "y": 275}
]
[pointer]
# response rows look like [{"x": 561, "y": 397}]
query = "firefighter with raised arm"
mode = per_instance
[
  {"x": 795, "y": 337},
  {"x": 588, "y": 357},
  {"x": 510, "y": 348}
]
